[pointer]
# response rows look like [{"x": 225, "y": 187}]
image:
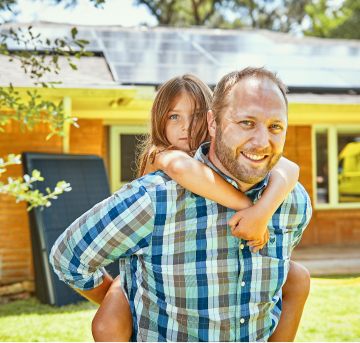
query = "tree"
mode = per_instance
[
  {"x": 327, "y": 22},
  {"x": 275, "y": 15},
  {"x": 181, "y": 12},
  {"x": 36, "y": 109},
  {"x": 270, "y": 14}
]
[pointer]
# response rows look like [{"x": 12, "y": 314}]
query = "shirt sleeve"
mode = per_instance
[
  {"x": 304, "y": 213},
  {"x": 115, "y": 228}
]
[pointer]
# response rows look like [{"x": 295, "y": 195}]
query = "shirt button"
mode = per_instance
[
  {"x": 242, "y": 320},
  {"x": 243, "y": 284},
  {"x": 241, "y": 246}
]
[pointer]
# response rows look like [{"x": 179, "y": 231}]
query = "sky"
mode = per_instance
[{"x": 114, "y": 12}]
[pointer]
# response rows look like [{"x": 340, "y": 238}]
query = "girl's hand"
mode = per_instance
[
  {"x": 259, "y": 243},
  {"x": 250, "y": 225}
]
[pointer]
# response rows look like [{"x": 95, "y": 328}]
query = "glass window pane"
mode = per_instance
[
  {"x": 128, "y": 150},
  {"x": 349, "y": 167},
  {"x": 322, "y": 170}
]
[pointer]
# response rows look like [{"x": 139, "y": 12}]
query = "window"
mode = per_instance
[
  {"x": 123, "y": 152},
  {"x": 337, "y": 166}
]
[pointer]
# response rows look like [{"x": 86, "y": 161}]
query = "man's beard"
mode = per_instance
[{"x": 230, "y": 160}]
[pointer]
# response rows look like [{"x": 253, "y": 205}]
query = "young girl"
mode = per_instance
[{"x": 178, "y": 128}]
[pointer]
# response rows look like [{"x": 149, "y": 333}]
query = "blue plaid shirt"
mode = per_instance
[{"x": 187, "y": 278}]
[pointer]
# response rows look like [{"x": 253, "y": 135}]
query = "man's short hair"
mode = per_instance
[{"x": 220, "y": 99}]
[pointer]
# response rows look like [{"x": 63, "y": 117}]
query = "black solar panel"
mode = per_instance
[{"x": 88, "y": 179}]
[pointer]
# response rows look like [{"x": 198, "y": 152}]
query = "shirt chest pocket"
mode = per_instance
[{"x": 279, "y": 244}]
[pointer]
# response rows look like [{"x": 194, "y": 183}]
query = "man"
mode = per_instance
[{"x": 188, "y": 277}]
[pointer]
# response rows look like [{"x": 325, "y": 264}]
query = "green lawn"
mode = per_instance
[{"x": 332, "y": 314}]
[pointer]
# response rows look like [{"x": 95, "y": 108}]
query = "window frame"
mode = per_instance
[
  {"x": 332, "y": 140},
  {"x": 115, "y": 151}
]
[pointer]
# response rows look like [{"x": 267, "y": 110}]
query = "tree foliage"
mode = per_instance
[
  {"x": 181, "y": 13},
  {"x": 37, "y": 56},
  {"x": 270, "y": 14},
  {"x": 326, "y": 22},
  {"x": 21, "y": 188},
  {"x": 266, "y": 14}
]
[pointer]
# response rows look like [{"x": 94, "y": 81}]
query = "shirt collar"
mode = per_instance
[{"x": 253, "y": 193}]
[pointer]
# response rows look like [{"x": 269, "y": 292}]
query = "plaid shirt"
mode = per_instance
[{"x": 187, "y": 278}]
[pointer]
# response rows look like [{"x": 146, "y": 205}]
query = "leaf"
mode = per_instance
[
  {"x": 49, "y": 136},
  {"x": 83, "y": 41},
  {"x": 73, "y": 66},
  {"x": 55, "y": 58},
  {"x": 74, "y": 32},
  {"x": 22, "y": 128},
  {"x": 88, "y": 53}
]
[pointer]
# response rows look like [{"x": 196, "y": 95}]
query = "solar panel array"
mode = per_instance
[{"x": 153, "y": 56}]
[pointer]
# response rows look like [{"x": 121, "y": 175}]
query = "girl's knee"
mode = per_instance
[{"x": 298, "y": 280}]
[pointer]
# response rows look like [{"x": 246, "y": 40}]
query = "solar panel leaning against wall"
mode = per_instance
[{"x": 88, "y": 179}]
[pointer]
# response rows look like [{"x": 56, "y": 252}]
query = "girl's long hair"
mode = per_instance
[{"x": 165, "y": 100}]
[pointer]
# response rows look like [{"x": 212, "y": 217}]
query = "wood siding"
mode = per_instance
[
  {"x": 327, "y": 227},
  {"x": 15, "y": 242}
]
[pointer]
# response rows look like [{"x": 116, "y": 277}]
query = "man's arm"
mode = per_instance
[{"x": 115, "y": 228}]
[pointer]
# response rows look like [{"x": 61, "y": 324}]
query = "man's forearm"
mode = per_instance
[{"x": 97, "y": 294}]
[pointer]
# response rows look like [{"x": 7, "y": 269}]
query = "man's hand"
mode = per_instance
[{"x": 251, "y": 226}]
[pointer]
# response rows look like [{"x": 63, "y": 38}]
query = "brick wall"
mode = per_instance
[
  {"x": 15, "y": 242},
  {"x": 327, "y": 227}
]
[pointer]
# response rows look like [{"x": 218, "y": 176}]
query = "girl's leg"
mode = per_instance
[
  {"x": 295, "y": 293},
  {"x": 113, "y": 320}
]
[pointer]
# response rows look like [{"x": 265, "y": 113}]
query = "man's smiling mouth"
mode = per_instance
[{"x": 254, "y": 157}]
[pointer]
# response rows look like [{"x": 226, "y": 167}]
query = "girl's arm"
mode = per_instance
[
  {"x": 199, "y": 179},
  {"x": 207, "y": 183},
  {"x": 283, "y": 178}
]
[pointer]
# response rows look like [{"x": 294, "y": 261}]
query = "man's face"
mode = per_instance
[{"x": 250, "y": 138}]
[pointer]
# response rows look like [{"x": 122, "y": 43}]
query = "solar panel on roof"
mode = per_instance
[
  {"x": 299, "y": 64},
  {"x": 152, "y": 56}
]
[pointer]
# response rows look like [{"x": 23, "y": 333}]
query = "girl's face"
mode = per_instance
[{"x": 178, "y": 121}]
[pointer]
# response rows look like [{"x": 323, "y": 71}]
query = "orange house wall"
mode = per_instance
[
  {"x": 15, "y": 241},
  {"x": 326, "y": 227}
]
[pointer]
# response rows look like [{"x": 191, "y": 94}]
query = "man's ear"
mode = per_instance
[{"x": 211, "y": 123}]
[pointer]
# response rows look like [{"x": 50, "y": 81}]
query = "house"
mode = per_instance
[{"x": 111, "y": 93}]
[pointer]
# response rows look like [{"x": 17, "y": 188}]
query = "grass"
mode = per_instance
[
  {"x": 30, "y": 321},
  {"x": 331, "y": 314}
]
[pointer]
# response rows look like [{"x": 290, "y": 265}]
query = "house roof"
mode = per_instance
[
  {"x": 151, "y": 56},
  {"x": 91, "y": 71}
]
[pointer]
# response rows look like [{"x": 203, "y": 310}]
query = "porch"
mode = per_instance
[{"x": 328, "y": 260}]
